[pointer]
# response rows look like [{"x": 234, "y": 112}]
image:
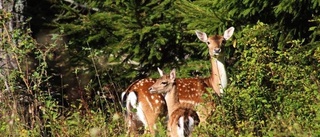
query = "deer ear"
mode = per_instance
[
  {"x": 202, "y": 36},
  {"x": 228, "y": 33},
  {"x": 160, "y": 72},
  {"x": 173, "y": 74}
]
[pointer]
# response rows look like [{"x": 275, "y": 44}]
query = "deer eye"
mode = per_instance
[
  {"x": 223, "y": 42},
  {"x": 164, "y": 83}
]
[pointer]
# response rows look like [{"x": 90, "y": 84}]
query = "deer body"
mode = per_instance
[
  {"x": 190, "y": 90},
  {"x": 140, "y": 102},
  {"x": 182, "y": 116},
  {"x": 143, "y": 108}
]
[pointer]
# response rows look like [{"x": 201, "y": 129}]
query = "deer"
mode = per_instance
[
  {"x": 143, "y": 108},
  {"x": 182, "y": 117}
]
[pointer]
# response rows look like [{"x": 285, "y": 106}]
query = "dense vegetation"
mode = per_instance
[{"x": 73, "y": 58}]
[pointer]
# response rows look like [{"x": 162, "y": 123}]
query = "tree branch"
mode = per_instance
[{"x": 81, "y": 5}]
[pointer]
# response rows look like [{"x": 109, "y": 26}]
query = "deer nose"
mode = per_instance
[
  {"x": 217, "y": 50},
  {"x": 150, "y": 89}
]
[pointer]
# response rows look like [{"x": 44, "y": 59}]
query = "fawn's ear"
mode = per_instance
[
  {"x": 202, "y": 36},
  {"x": 228, "y": 33},
  {"x": 173, "y": 74},
  {"x": 160, "y": 72}
]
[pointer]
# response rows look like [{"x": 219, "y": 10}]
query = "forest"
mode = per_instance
[{"x": 65, "y": 63}]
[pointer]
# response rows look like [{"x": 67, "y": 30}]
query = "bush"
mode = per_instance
[{"x": 274, "y": 91}]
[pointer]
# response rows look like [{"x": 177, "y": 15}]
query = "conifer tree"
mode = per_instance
[{"x": 147, "y": 32}]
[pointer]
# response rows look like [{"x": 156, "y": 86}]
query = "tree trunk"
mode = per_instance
[{"x": 11, "y": 17}]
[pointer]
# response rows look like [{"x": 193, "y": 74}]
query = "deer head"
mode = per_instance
[
  {"x": 215, "y": 42},
  {"x": 164, "y": 84}
]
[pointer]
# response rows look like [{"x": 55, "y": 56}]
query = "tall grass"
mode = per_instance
[{"x": 29, "y": 105}]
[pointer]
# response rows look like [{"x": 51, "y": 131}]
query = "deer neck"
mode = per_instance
[
  {"x": 172, "y": 99},
  {"x": 218, "y": 77}
]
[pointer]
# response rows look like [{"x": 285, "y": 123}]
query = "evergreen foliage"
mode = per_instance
[
  {"x": 148, "y": 32},
  {"x": 272, "y": 64}
]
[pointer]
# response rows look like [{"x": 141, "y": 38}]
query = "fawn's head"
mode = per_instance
[
  {"x": 215, "y": 42},
  {"x": 165, "y": 83}
]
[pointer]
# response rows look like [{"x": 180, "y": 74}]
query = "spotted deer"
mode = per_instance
[
  {"x": 143, "y": 108},
  {"x": 182, "y": 116}
]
